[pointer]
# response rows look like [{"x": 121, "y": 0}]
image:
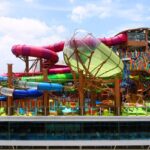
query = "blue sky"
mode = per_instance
[{"x": 42, "y": 22}]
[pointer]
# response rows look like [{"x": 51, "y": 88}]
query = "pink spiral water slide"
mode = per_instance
[
  {"x": 118, "y": 39},
  {"x": 50, "y": 52}
]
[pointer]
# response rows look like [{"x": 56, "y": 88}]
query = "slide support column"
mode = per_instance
[
  {"x": 10, "y": 98},
  {"x": 27, "y": 64},
  {"x": 46, "y": 97},
  {"x": 81, "y": 93},
  {"x": 117, "y": 97}
]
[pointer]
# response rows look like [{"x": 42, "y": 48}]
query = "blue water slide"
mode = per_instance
[
  {"x": 34, "y": 89},
  {"x": 38, "y": 85},
  {"x": 21, "y": 94},
  {"x": 3, "y": 78},
  {"x": 49, "y": 86},
  {"x": 29, "y": 93},
  {"x": 41, "y": 86},
  {"x": 3, "y": 98}
]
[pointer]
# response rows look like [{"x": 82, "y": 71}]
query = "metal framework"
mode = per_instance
[{"x": 89, "y": 82}]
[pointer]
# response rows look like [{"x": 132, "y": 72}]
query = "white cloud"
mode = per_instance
[
  {"x": 19, "y": 27},
  {"x": 71, "y": 1},
  {"x": 29, "y": 1},
  {"x": 61, "y": 29},
  {"x": 24, "y": 31},
  {"x": 135, "y": 13},
  {"x": 58, "y": 8},
  {"x": 118, "y": 29},
  {"x": 4, "y": 7},
  {"x": 102, "y": 10},
  {"x": 147, "y": 18},
  {"x": 109, "y": 8},
  {"x": 79, "y": 13}
]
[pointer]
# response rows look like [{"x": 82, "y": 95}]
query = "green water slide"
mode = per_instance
[
  {"x": 94, "y": 56},
  {"x": 54, "y": 78}
]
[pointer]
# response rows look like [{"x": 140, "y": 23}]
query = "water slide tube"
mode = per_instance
[
  {"x": 118, "y": 39},
  {"x": 29, "y": 93},
  {"x": 103, "y": 63},
  {"x": 34, "y": 91},
  {"x": 49, "y": 52},
  {"x": 3, "y": 78},
  {"x": 60, "y": 70},
  {"x": 41, "y": 86},
  {"x": 57, "y": 47},
  {"x": 59, "y": 66},
  {"x": 3, "y": 98},
  {"x": 20, "y": 94},
  {"x": 61, "y": 78},
  {"x": 40, "y": 52}
]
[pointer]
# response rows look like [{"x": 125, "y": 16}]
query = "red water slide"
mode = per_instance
[
  {"x": 50, "y": 52},
  {"x": 118, "y": 39},
  {"x": 57, "y": 47},
  {"x": 50, "y": 71},
  {"x": 42, "y": 52}
]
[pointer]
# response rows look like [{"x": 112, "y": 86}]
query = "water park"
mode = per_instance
[{"x": 101, "y": 77}]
